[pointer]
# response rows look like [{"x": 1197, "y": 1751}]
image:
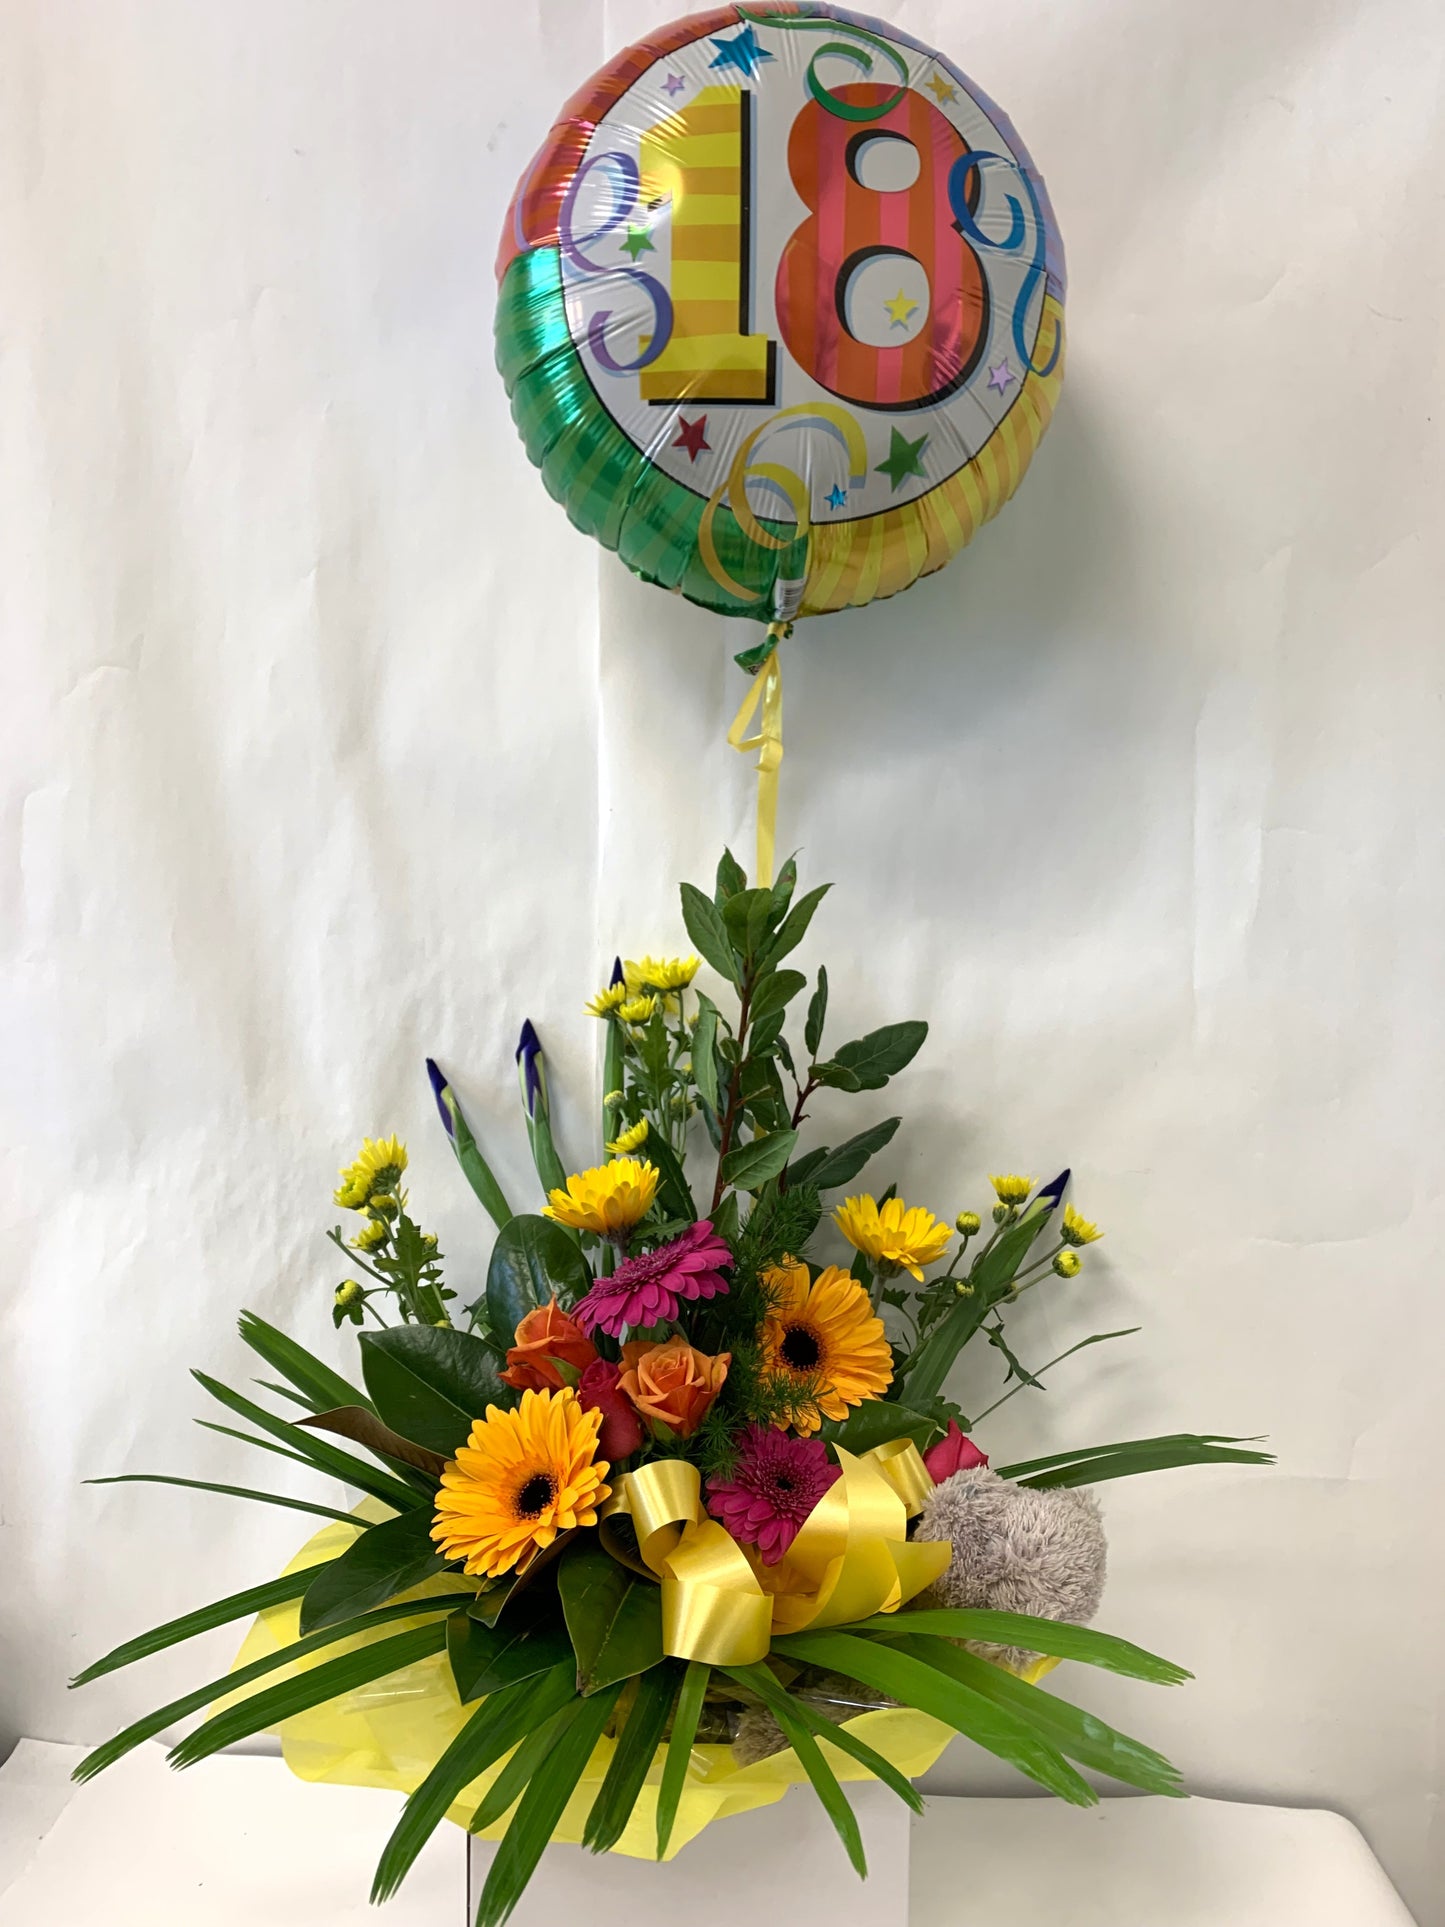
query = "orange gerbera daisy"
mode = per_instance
[
  {"x": 521, "y": 1478},
  {"x": 823, "y": 1338}
]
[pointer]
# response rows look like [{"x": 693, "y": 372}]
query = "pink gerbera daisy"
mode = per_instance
[
  {"x": 648, "y": 1288},
  {"x": 774, "y": 1486}
]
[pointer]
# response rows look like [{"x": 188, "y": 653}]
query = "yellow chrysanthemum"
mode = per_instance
[
  {"x": 608, "y": 1200},
  {"x": 606, "y": 1000},
  {"x": 1077, "y": 1230},
  {"x": 521, "y": 1478},
  {"x": 378, "y": 1165},
  {"x": 823, "y": 1338},
  {"x": 637, "y": 1010},
  {"x": 632, "y": 1139},
  {"x": 371, "y": 1234},
  {"x": 660, "y": 973},
  {"x": 894, "y": 1236},
  {"x": 1068, "y": 1264},
  {"x": 1011, "y": 1190}
]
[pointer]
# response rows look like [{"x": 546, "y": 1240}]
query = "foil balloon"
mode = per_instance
[{"x": 781, "y": 309}]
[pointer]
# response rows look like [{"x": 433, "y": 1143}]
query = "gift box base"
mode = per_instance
[{"x": 778, "y": 1862}]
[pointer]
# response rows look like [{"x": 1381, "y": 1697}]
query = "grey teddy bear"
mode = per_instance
[{"x": 1016, "y": 1549}]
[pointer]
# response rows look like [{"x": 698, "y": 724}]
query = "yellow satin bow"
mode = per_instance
[{"x": 852, "y": 1556}]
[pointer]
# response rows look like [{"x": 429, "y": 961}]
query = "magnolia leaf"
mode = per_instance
[
  {"x": 387, "y": 1559},
  {"x": 532, "y": 1261},
  {"x": 431, "y": 1383},
  {"x": 614, "y": 1618},
  {"x": 360, "y": 1424}
]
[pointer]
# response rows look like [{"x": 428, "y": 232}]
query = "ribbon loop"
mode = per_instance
[{"x": 852, "y": 1556}]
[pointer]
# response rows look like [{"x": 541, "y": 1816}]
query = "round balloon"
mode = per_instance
[{"x": 781, "y": 309}]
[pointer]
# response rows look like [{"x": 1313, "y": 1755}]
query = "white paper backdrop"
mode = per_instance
[{"x": 328, "y": 742}]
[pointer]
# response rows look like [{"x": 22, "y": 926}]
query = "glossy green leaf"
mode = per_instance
[
  {"x": 882, "y": 1053},
  {"x": 1082, "y": 1736},
  {"x": 226, "y": 1491},
  {"x": 204, "y": 1619},
  {"x": 214, "y": 1689},
  {"x": 484, "y": 1659},
  {"x": 842, "y": 1165},
  {"x": 431, "y": 1383},
  {"x": 540, "y": 1808},
  {"x": 249, "y": 1438},
  {"x": 492, "y": 1730},
  {"x": 817, "y": 1014},
  {"x": 314, "y": 1687},
  {"x": 679, "y": 1749},
  {"x": 325, "y": 1457},
  {"x": 318, "y": 1385},
  {"x": 532, "y": 1260},
  {"x": 913, "y": 1683},
  {"x": 613, "y": 1617},
  {"x": 708, "y": 933},
  {"x": 632, "y": 1757},
  {"x": 750, "y": 1166},
  {"x": 1055, "y": 1637},
  {"x": 836, "y": 1077},
  {"x": 784, "y": 884},
  {"x": 775, "y": 993},
  {"x": 876, "y": 1422},
  {"x": 825, "y": 1781},
  {"x": 386, "y": 1559}
]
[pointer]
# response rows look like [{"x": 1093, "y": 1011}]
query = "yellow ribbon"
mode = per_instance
[
  {"x": 852, "y": 1557},
  {"x": 766, "y": 688}
]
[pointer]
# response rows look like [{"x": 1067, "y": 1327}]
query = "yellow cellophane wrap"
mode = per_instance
[{"x": 391, "y": 1733}]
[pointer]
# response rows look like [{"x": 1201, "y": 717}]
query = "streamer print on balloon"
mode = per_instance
[{"x": 781, "y": 309}]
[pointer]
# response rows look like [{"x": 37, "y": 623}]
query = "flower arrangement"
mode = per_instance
[{"x": 670, "y": 1483}]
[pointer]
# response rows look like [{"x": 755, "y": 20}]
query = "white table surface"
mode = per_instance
[{"x": 236, "y": 1842}]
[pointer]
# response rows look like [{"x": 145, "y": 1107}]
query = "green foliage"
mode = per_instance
[
  {"x": 431, "y": 1383},
  {"x": 1099, "y": 1462},
  {"x": 532, "y": 1260},
  {"x": 679, "y": 1749},
  {"x": 614, "y": 1618},
  {"x": 633, "y": 1755},
  {"x": 227, "y": 1491},
  {"x": 320, "y": 1388},
  {"x": 485, "y": 1659},
  {"x": 386, "y": 1559},
  {"x": 203, "y": 1619},
  {"x": 326, "y": 1458}
]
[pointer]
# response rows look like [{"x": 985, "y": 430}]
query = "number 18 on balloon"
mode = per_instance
[{"x": 781, "y": 309}]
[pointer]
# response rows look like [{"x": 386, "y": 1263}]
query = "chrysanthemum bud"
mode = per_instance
[
  {"x": 967, "y": 1223},
  {"x": 1068, "y": 1264},
  {"x": 348, "y": 1293},
  {"x": 1004, "y": 1214}
]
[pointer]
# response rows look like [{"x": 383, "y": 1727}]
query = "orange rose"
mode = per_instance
[
  {"x": 672, "y": 1384},
  {"x": 546, "y": 1340}
]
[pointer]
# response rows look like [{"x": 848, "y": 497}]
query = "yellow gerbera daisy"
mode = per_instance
[
  {"x": 1011, "y": 1190},
  {"x": 608, "y": 1200},
  {"x": 521, "y": 1478},
  {"x": 893, "y": 1236},
  {"x": 637, "y": 1010},
  {"x": 378, "y": 1166},
  {"x": 606, "y": 1000},
  {"x": 824, "y": 1339},
  {"x": 632, "y": 1139},
  {"x": 1077, "y": 1230},
  {"x": 660, "y": 973}
]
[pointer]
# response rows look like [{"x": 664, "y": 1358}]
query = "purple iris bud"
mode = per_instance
[
  {"x": 441, "y": 1092},
  {"x": 529, "y": 1064},
  {"x": 1053, "y": 1192},
  {"x": 619, "y": 975}
]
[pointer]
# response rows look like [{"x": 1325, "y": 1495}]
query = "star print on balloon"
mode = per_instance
[
  {"x": 905, "y": 458},
  {"x": 941, "y": 90},
  {"x": 999, "y": 377},
  {"x": 836, "y": 496},
  {"x": 674, "y": 84},
  {"x": 899, "y": 309},
  {"x": 638, "y": 241},
  {"x": 742, "y": 52},
  {"x": 692, "y": 436}
]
